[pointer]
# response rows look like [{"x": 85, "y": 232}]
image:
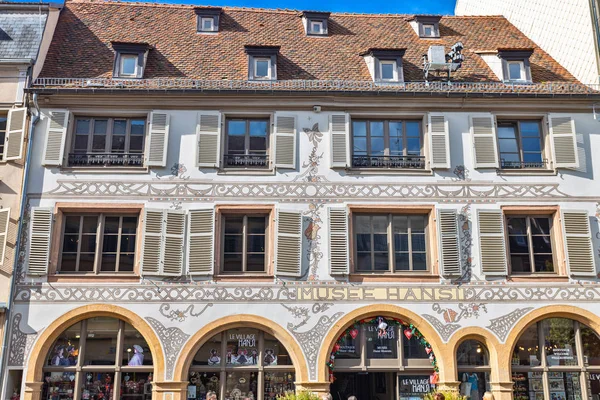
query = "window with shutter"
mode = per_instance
[
  {"x": 247, "y": 143},
  {"x": 173, "y": 243},
  {"x": 492, "y": 247},
  {"x": 209, "y": 139},
  {"x": 339, "y": 263},
  {"x": 563, "y": 138},
  {"x": 449, "y": 243},
  {"x": 439, "y": 141},
  {"x": 4, "y": 223},
  {"x": 578, "y": 243},
  {"x": 285, "y": 141},
  {"x": 153, "y": 245},
  {"x": 158, "y": 139},
  {"x": 56, "y": 133},
  {"x": 288, "y": 249},
  {"x": 339, "y": 126},
  {"x": 244, "y": 243},
  {"x": 200, "y": 241},
  {"x": 39, "y": 241},
  {"x": 15, "y": 133},
  {"x": 530, "y": 244},
  {"x": 483, "y": 132}
]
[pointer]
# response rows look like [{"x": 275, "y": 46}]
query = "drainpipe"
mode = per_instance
[{"x": 3, "y": 358}]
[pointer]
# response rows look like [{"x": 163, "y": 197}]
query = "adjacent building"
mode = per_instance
[
  {"x": 252, "y": 201},
  {"x": 568, "y": 30},
  {"x": 22, "y": 28}
]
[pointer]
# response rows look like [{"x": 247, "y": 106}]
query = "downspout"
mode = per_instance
[
  {"x": 596, "y": 27},
  {"x": 3, "y": 358}
]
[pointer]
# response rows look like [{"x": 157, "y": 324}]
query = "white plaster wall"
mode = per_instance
[{"x": 563, "y": 28}]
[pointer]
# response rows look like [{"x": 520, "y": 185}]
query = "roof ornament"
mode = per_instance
[{"x": 442, "y": 63}]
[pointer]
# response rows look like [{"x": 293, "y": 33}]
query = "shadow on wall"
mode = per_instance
[
  {"x": 584, "y": 152},
  {"x": 4, "y": 35}
]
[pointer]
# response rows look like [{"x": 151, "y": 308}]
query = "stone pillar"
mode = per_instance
[
  {"x": 169, "y": 390},
  {"x": 321, "y": 389},
  {"x": 33, "y": 391},
  {"x": 502, "y": 390}
]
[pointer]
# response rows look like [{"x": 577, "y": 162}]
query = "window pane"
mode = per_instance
[
  {"x": 70, "y": 243},
  {"x": 376, "y": 128},
  {"x": 382, "y": 340},
  {"x": 520, "y": 263},
  {"x": 241, "y": 385},
  {"x": 236, "y": 144},
  {"x": 506, "y": 132},
  {"x": 400, "y": 224},
  {"x": 81, "y": 142},
  {"x": 209, "y": 353},
  {"x": 97, "y": 385},
  {"x": 275, "y": 352},
  {"x": 109, "y": 263},
  {"x": 72, "y": 224},
  {"x": 262, "y": 68},
  {"x": 127, "y": 244},
  {"x": 277, "y": 384},
  {"x": 363, "y": 242},
  {"x": 591, "y": 347},
  {"x": 236, "y": 127},
  {"x": 413, "y": 129},
  {"x": 258, "y": 128},
  {"x": 128, "y": 64},
  {"x": 99, "y": 143},
  {"x": 126, "y": 262},
  {"x": 401, "y": 242},
  {"x": 510, "y": 157},
  {"x": 380, "y": 224},
  {"x": 109, "y": 243},
  {"x": 402, "y": 262},
  {"x": 136, "y": 144},
  {"x": 82, "y": 126},
  {"x": 138, "y": 127},
  {"x": 65, "y": 350},
  {"x": 377, "y": 146},
  {"x": 531, "y": 144},
  {"x": 256, "y": 243},
  {"x": 518, "y": 244},
  {"x": 203, "y": 385},
  {"x": 360, "y": 146},
  {"x": 207, "y": 24},
  {"x": 540, "y": 226},
  {"x": 542, "y": 244},
  {"x": 544, "y": 263},
  {"x": 129, "y": 225},
  {"x": 532, "y": 157},
  {"x": 526, "y": 351},
  {"x": 413, "y": 146},
  {"x": 517, "y": 225},
  {"x": 363, "y": 224},
  {"x": 255, "y": 263},
  {"x": 363, "y": 262},
  {"x": 136, "y": 351},
  {"x": 118, "y": 144},
  {"x": 414, "y": 349},
  {"x": 86, "y": 262},
  {"x": 417, "y": 224},
  {"x": 387, "y": 71},
  {"x": 508, "y": 145},
  {"x": 101, "y": 341},
  {"x": 68, "y": 262},
  {"x": 258, "y": 145},
  {"x": 380, "y": 242},
  {"x": 531, "y": 128},
  {"x": 88, "y": 243},
  {"x": 560, "y": 341},
  {"x": 233, "y": 244},
  {"x": 419, "y": 262},
  {"x": 472, "y": 352},
  {"x": 100, "y": 126},
  {"x": 381, "y": 262},
  {"x": 418, "y": 242},
  {"x": 234, "y": 224},
  {"x": 119, "y": 127},
  {"x": 232, "y": 262},
  {"x": 359, "y": 128},
  {"x": 242, "y": 347},
  {"x": 514, "y": 70},
  {"x": 256, "y": 225},
  {"x": 111, "y": 225}
]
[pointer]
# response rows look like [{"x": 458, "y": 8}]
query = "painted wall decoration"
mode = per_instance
[
  {"x": 501, "y": 326},
  {"x": 181, "y": 315},
  {"x": 311, "y": 174},
  {"x": 313, "y": 237},
  {"x": 304, "y": 313},
  {"x": 451, "y": 317},
  {"x": 172, "y": 340},
  {"x": 20, "y": 342}
]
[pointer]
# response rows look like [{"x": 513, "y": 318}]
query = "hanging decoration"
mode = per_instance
[{"x": 409, "y": 331}]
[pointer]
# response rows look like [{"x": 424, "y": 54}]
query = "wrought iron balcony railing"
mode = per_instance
[
  {"x": 410, "y": 162},
  {"x": 523, "y": 165},
  {"x": 246, "y": 160},
  {"x": 106, "y": 159}
]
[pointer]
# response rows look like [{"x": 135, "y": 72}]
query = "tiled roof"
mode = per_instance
[
  {"x": 21, "y": 33},
  {"x": 81, "y": 46}
]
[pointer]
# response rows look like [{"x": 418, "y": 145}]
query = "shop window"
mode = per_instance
[
  {"x": 387, "y": 144},
  {"x": 104, "y": 358},
  {"x": 390, "y": 243},
  {"x": 473, "y": 369},
  {"x": 98, "y": 243},
  {"x": 246, "y": 143},
  {"x": 559, "y": 371},
  {"x": 241, "y": 363}
]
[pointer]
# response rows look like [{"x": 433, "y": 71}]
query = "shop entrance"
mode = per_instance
[{"x": 382, "y": 359}]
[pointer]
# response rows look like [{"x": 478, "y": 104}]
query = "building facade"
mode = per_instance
[
  {"x": 567, "y": 30},
  {"x": 22, "y": 27},
  {"x": 251, "y": 201}
]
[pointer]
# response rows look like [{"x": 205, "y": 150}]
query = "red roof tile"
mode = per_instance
[{"x": 81, "y": 46}]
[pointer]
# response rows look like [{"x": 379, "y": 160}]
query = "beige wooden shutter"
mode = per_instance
[
  {"x": 39, "y": 242},
  {"x": 209, "y": 139},
  {"x": 15, "y": 134},
  {"x": 285, "y": 141},
  {"x": 288, "y": 248},
  {"x": 339, "y": 130},
  {"x": 483, "y": 132},
  {"x": 158, "y": 139},
  {"x": 564, "y": 141},
  {"x": 449, "y": 242},
  {"x": 4, "y": 222},
  {"x": 339, "y": 260},
  {"x": 201, "y": 242},
  {"x": 153, "y": 242},
  {"x": 492, "y": 243},
  {"x": 439, "y": 141},
  {"x": 173, "y": 243},
  {"x": 578, "y": 243},
  {"x": 56, "y": 134}
]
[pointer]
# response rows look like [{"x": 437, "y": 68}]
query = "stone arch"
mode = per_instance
[
  {"x": 389, "y": 310},
  {"x": 481, "y": 335},
  {"x": 191, "y": 347},
  {"x": 37, "y": 359}
]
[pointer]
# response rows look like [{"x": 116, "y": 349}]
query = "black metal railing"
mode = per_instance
[
  {"x": 106, "y": 159},
  {"x": 246, "y": 160},
  {"x": 410, "y": 162},
  {"x": 523, "y": 165}
]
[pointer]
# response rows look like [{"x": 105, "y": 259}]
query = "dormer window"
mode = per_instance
[
  {"x": 130, "y": 60},
  {"x": 262, "y": 62},
  {"x": 315, "y": 23},
  {"x": 208, "y": 19},
  {"x": 515, "y": 65},
  {"x": 385, "y": 65},
  {"x": 426, "y": 26}
]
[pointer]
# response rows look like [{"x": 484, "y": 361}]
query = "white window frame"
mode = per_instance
[
  {"x": 255, "y": 61},
  {"x": 314, "y": 22},
  {"x": 212, "y": 24},
  {"x": 522, "y": 71},
  {"x": 122, "y": 58},
  {"x": 432, "y": 26},
  {"x": 394, "y": 72}
]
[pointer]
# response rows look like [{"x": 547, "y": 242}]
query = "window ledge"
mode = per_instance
[
  {"x": 102, "y": 170},
  {"x": 247, "y": 171},
  {"x": 72, "y": 278},
  {"x": 389, "y": 171},
  {"x": 244, "y": 278},
  {"x": 393, "y": 276},
  {"x": 538, "y": 277},
  {"x": 527, "y": 171}
]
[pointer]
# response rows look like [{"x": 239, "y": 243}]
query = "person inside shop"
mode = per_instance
[{"x": 488, "y": 396}]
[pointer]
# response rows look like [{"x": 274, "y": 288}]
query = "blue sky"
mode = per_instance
[{"x": 386, "y": 6}]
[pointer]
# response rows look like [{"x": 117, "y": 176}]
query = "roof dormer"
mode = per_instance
[
  {"x": 130, "y": 60},
  {"x": 426, "y": 26},
  {"x": 262, "y": 62},
  {"x": 385, "y": 65},
  {"x": 316, "y": 23},
  {"x": 515, "y": 65},
  {"x": 208, "y": 19}
]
